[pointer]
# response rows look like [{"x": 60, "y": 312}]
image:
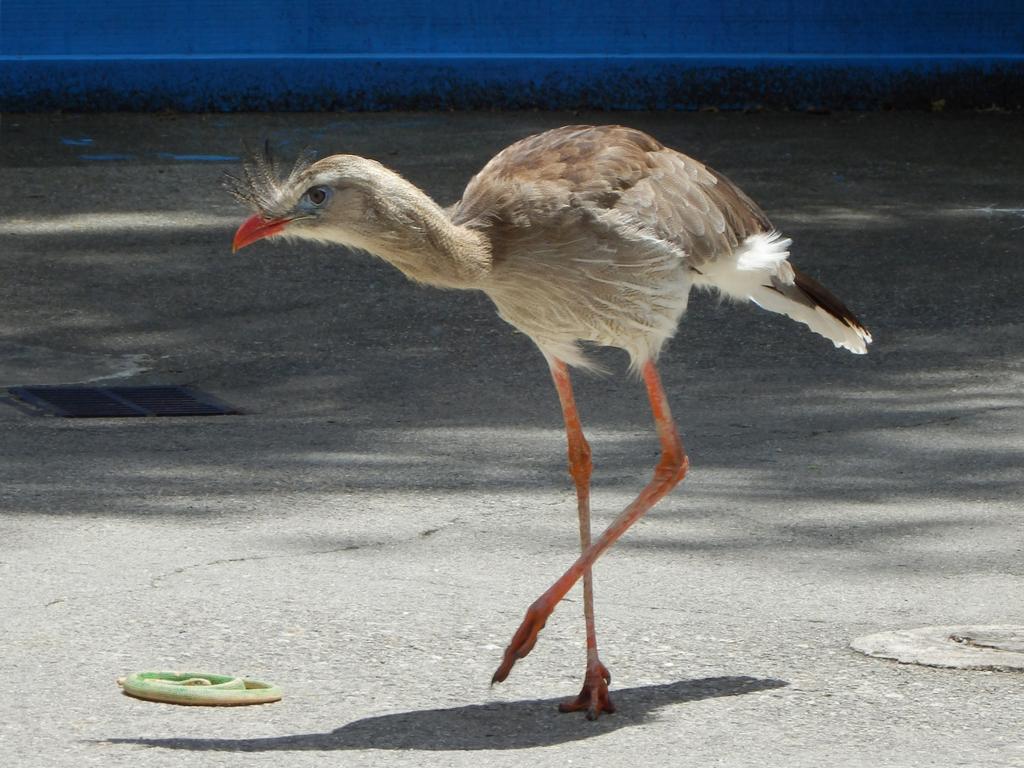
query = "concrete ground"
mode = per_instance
[{"x": 370, "y": 532}]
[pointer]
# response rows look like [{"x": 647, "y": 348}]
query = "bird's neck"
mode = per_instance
[{"x": 420, "y": 239}]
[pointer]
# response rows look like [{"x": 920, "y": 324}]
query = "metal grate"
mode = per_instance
[{"x": 97, "y": 402}]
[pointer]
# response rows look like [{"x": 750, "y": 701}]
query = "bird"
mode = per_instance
[{"x": 581, "y": 236}]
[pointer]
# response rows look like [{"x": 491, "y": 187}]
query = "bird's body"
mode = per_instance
[
  {"x": 579, "y": 234},
  {"x": 567, "y": 265}
]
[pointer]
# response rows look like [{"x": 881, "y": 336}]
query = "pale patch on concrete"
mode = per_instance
[
  {"x": 71, "y": 224},
  {"x": 993, "y": 648},
  {"x": 29, "y": 364}
]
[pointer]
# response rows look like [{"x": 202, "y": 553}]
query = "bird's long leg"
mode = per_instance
[
  {"x": 594, "y": 695},
  {"x": 670, "y": 470}
]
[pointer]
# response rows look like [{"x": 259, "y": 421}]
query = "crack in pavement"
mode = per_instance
[{"x": 156, "y": 581}]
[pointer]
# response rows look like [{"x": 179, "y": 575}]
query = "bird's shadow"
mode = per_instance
[{"x": 497, "y": 725}]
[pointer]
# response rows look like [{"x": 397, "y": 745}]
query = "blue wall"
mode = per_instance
[{"x": 305, "y": 54}]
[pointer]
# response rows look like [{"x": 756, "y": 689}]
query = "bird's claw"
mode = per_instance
[
  {"x": 594, "y": 695},
  {"x": 523, "y": 640}
]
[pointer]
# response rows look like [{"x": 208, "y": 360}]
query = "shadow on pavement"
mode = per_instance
[{"x": 498, "y": 725}]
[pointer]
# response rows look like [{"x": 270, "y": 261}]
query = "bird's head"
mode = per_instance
[
  {"x": 339, "y": 199},
  {"x": 356, "y": 202}
]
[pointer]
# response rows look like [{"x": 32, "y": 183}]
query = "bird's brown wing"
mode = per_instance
[
  {"x": 550, "y": 174},
  {"x": 618, "y": 177},
  {"x": 686, "y": 204}
]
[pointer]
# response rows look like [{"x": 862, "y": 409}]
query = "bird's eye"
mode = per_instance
[{"x": 317, "y": 195}]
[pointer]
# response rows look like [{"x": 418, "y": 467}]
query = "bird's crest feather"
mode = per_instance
[{"x": 260, "y": 185}]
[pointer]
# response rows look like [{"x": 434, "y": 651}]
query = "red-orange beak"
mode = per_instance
[{"x": 256, "y": 228}]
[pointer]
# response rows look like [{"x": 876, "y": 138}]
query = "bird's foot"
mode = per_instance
[
  {"x": 524, "y": 639},
  {"x": 594, "y": 696}
]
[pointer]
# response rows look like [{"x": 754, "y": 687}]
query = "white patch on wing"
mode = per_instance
[{"x": 766, "y": 251}]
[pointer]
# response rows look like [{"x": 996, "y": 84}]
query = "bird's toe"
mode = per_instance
[
  {"x": 594, "y": 696},
  {"x": 524, "y": 639}
]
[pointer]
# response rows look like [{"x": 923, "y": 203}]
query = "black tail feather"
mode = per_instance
[{"x": 822, "y": 297}]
